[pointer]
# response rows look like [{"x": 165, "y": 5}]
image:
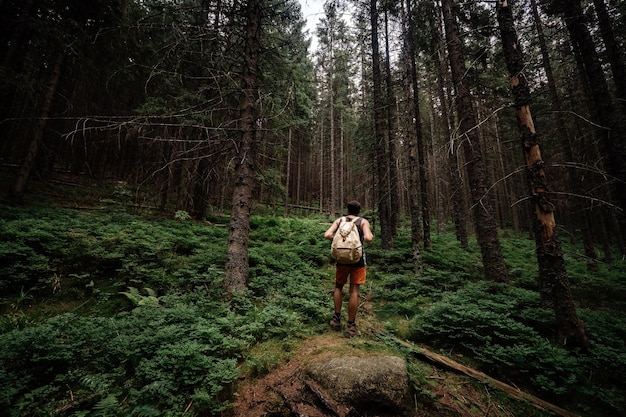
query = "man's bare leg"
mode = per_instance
[
  {"x": 338, "y": 298},
  {"x": 353, "y": 302}
]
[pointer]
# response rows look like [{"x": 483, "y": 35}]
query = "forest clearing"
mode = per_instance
[{"x": 170, "y": 171}]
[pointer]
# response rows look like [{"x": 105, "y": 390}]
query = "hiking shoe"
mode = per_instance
[
  {"x": 335, "y": 324},
  {"x": 352, "y": 331}
]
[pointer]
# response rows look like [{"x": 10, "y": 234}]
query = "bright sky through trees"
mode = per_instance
[{"x": 312, "y": 11}]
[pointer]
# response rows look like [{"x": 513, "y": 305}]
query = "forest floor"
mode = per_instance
[
  {"x": 447, "y": 388},
  {"x": 280, "y": 392}
]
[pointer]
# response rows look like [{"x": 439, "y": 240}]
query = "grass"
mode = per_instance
[{"x": 114, "y": 312}]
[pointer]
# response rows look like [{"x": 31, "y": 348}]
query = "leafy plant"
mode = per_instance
[
  {"x": 181, "y": 215},
  {"x": 150, "y": 299}
]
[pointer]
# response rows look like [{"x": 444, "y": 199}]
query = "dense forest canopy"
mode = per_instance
[{"x": 147, "y": 92}]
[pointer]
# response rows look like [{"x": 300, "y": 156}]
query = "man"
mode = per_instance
[{"x": 356, "y": 272}]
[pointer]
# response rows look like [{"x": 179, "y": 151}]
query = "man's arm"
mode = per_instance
[
  {"x": 332, "y": 229},
  {"x": 367, "y": 231}
]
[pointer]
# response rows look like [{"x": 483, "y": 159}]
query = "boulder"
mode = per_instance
[{"x": 373, "y": 385}]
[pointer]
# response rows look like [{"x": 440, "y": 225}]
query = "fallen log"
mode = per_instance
[{"x": 450, "y": 364}]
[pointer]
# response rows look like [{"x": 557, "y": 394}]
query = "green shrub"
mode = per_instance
[
  {"x": 176, "y": 351},
  {"x": 21, "y": 266},
  {"x": 504, "y": 330}
]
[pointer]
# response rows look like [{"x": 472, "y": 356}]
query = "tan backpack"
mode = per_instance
[{"x": 347, "y": 247}]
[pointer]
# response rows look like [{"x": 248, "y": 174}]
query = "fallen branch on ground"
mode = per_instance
[{"x": 482, "y": 377}]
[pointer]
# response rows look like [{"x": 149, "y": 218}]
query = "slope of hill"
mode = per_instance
[{"x": 109, "y": 308}]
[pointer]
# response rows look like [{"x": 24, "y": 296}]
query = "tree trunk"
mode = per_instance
[
  {"x": 580, "y": 215},
  {"x": 552, "y": 272},
  {"x": 322, "y": 159},
  {"x": 331, "y": 130},
  {"x": 411, "y": 141},
  {"x": 613, "y": 52},
  {"x": 17, "y": 191},
  {"x": 394, "y": 208},
  {"x": 611, "y": 131},
  {"x": 379, "y": 132},
  {"x": 421, "y": 160},
  {"x": 200, "y": 202},
  {"x": 486, "y": 230},
  {"x": 344, "y": 176},
  {"x": 288, "y": 173},
  {"x": 456, "y": 189},
  {"x": 237, "y": 268}
]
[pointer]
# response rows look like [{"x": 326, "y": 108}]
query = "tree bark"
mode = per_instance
[
  {"x": 288, "y": 173},
  {"x": 16, "y": 193},
  {"x": 421, "y": 157},
  {"x": 331, "y": 128},
  {"x": 394, "y": 208},
  {"x": 386, "y": 238},
  {"x": 613, "y": 52},
  {"x": 552, "y": 271},
  {"x": 578, "y": 213},
  {"x": 411, "y": 141},
  {"x": 611, "y": 131},
  {"x": 237, "y": 268},
  {"x": 486, "y": 230},
  {"x": 456, "y": 189}
]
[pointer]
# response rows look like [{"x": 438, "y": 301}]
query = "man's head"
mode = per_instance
[{"x": 354, "y": 207}]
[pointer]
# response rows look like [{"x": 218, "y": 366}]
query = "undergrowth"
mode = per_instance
[
  {"x": 108, "y": 312},
  {"x": 502, "y": 329}
]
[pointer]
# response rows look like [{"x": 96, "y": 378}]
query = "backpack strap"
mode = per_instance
[{"x": 357, "y": 221}]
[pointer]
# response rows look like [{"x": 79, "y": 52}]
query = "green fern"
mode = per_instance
[
  {"x": 107, "y": 407},
  {"x": 138, "y": 299},
  {"x": 146, "y": 411}
]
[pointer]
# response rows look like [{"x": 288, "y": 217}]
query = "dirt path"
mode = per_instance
[{"x": 447, "y": 388}]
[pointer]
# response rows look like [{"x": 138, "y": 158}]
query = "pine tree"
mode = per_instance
[
  {"x": 552, "y": 272},
  {"x": 237, "y": 268},
  {"x": 486, "y": 230}
]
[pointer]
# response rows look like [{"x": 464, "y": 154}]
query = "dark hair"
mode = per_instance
[{"x": 354, "y": 207}]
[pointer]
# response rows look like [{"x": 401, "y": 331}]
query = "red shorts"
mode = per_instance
[{"x": 357, "y": 274}]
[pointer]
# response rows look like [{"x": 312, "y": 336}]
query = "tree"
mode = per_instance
[
  {"x": 613, "y": 51},
  {"x": 45, "y": 37},
  {"x": 486, "y": 230},
  {"x": 17, "y": 191},
  {"x": 552, "y": 272},
  {"x": 331, "y": 13},
  {"x": 288, "y": 93},
  {"x": 392, "y": 170},
  {"x": 562, "y": 132},
  {"x": 413, "y": 132},
  {"x": 420, "y": 148},
  {"x": 611, "y": 131},
  {"x": 334, "y": 60},
  {"x": 381, "y": 158},
  {"x": 237, "y": 268},
  {"x": 456, "y": 189}
]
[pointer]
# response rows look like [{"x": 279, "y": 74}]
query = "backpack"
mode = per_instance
[{"x": 347, "y": 247}]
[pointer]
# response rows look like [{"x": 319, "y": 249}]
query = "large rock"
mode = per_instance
[{"x": 373, "y": 385}]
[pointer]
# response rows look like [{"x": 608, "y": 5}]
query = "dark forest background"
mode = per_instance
[{"x": 147, "y": 93}]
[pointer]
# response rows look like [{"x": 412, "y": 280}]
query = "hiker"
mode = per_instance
[{"x": 356, "y": 271}]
